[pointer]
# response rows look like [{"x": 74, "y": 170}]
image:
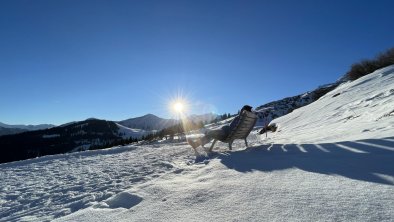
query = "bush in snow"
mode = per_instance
[{"x": 365, "y": 67}]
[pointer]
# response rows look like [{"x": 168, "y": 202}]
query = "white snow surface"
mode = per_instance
[
  {"x": 356, "y": 110},
  {"x": 127, "y": 132},
  {"x": 321, "y": 165}
]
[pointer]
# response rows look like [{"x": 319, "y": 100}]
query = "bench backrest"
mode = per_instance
[{"x": 245, "y": 125}]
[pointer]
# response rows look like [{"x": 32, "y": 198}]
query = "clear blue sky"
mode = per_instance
[{"x": 68, "y": 60}]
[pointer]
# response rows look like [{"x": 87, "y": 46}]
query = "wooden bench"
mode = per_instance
[{"x": 245, "y": 125}]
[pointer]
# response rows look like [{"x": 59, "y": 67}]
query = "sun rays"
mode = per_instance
[
  {"x": 179, "y": 105},
  {"x": 182, "y": 104},
  {"x": 181, "y": 108}
]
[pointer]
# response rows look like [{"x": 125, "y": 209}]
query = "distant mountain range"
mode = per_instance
[
  {"x": 147, "y": 122},
  {"x": 28, "y": 127},
  {"x": 152, "y": 122},
  {"x": 6, "y": 129},
  {"x": 25, "y": 142}
]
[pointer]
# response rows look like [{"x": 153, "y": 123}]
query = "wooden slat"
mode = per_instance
[{"x": 245, "y": 125}]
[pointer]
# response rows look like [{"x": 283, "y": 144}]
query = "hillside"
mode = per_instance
[
  {"x": 275, "y": 109},
  {"x": 278, "y": 108},
  {"x": 362, "y": 109},
  {"x": 76, "y": 136},
  {"x": 330, "y": 160}
]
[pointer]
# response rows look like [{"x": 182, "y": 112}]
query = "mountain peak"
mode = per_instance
[
  {"x": 148, "y": 122},
  {"x": 150, "y": 115}
]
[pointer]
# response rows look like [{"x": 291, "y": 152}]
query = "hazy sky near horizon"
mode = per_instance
[{"x": 69, "y": 60}]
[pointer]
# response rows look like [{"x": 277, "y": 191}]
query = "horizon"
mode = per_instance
[
  {"x": 107, "y": 119},
  {"x": 64, "y": 61}
]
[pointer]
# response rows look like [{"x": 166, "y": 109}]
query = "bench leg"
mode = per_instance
[
  {"x": 246, "y": 142},
  {"x": 213, "y": 144}
]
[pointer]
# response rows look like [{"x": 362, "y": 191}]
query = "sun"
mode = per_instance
[{"x": 178, "y": 107}]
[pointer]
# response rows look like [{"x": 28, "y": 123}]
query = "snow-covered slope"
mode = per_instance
[
  {"x": 49, "y": 187},
  {"x": 324, "y": 163},
  {"x": 284, "y": 106},
  {"x": 361, "y": 109},
  {"x": 278, "y": 108},
  {"x": 126, "y": 132}
]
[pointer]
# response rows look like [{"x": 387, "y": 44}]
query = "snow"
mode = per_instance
[
  {"x": 328, "y": 161},
  {"x": 356, "y": 110},
  {"x": 53, "y": 186},
  {"x": 127, "y": 133},
  {"x": 148, "y": 122}
]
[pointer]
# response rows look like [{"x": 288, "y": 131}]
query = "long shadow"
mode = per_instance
[{"x": 366, "y": 160}]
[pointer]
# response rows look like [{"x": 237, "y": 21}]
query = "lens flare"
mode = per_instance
[{"x": 182, "y": 106}]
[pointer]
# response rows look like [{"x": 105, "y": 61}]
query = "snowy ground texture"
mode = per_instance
[{"x": 329, "y": 161}]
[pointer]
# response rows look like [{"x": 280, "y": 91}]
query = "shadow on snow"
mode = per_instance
[{"x": 369, "y": 160}]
